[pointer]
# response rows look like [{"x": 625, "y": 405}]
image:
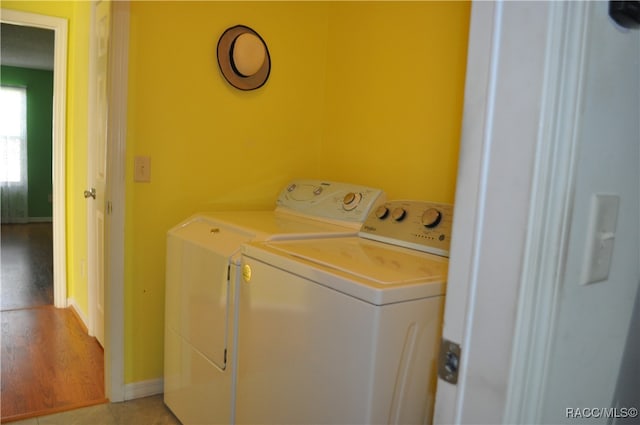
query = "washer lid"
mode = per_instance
[
  {"x": 372, "y": 271},
  {"x": 380, "y": 263}
]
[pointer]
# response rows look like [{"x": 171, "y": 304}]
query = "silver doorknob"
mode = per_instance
[{"x": 90, "y": 193}]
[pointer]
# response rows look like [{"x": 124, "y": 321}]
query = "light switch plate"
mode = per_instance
[
  {"x": 142, "y": 169},
  {"x": 601, "y": 232}
]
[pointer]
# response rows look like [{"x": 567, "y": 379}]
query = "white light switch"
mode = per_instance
[
  {"x": 601, "y": 233},
  {"x": 142, "y": 169}
]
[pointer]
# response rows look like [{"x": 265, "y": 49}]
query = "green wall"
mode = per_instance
[{"x": 39, "y": 85}]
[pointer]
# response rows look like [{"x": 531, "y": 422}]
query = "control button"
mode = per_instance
[
  {"x": 351, "y": 200},
  {"x": 431, "y": 218},
  {"x": 398, "y": 214},
  {"x": 382, "y": 212},
  {"x": 291, "y": 187},
  {"x": 317, "y": 190}
]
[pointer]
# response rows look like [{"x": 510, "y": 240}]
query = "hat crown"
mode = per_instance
[{"x": 248, "y": 54}]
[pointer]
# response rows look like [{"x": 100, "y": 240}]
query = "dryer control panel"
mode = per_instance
[
  {"x": 421, "y": 225},
  {"x": 330, "y": 200}
]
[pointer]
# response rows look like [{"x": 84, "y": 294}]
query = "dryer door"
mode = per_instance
[
  {"x": 197, "y": 295},
  {"x": 205, "y": 303}
]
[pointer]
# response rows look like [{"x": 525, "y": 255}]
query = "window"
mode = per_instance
[{"x": 13, "y": 134}]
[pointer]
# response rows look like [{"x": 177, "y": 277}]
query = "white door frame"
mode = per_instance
[
  {"x": 114, "y": 281},
  {"x": 59, "y": 27},
  {"x": 552, "y": 198}
]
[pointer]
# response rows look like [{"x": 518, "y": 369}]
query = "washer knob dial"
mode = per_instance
[
  {"x": 351, "y": 201},
  {"x": 431, "y": 218},
  {"x": 382, "y": 212},
  {"x": 398, "y": 214}
]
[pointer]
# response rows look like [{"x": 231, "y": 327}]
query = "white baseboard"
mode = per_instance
[
  {"x": 143, "y": 388},
  {"x": 40, "y": 219},
  {"x": 78, "y": 311},
  {"x": 136, "y": 389}
]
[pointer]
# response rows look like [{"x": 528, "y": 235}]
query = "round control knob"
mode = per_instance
[
  {"x": 398, "y": 214},
  {"x": 317, "y": 191},
  {"x": 431, "y": 218},
  {"x": 351, "y": 201},
  {"x": 382, "y": 212}
]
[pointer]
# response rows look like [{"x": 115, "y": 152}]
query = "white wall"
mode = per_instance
[{"x": 592, "y": 321}]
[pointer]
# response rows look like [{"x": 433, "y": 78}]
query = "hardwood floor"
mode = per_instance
[
  {"x": 27, "y": 265},
  {"x": 48, "y": 362}
]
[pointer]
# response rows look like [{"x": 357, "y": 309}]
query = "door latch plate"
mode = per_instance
[{"x": 449, "y": 361}]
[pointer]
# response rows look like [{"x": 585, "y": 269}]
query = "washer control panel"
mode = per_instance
[
  {"x": 330, "y": 200},
  {"x": 421, "y": 225}
]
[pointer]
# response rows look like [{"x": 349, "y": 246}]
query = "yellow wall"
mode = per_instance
[
  {"x": 211, "y": 146},
  {"x": 366, "y": 92},
  {"x": 78, "y": 18},
  {"x": 394, "y": 88}
]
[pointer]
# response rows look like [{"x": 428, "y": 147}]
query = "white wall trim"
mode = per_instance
[
  {"x": 548, "y": 231},
  {"x": 92, "y": 254},
  {"x": 59, "y": 26},
  {"x": 143, "y": 388},
  {"x": 40, "y": 219},
  {"x": 71, "y": 303}
]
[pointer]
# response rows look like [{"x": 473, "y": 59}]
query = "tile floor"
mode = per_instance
[{"x": 142, "y": 411}]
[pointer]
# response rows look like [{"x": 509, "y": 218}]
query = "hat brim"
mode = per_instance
[{"x": 225, "y": 60}]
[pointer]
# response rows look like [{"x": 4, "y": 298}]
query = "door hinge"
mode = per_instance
[
  {"x": 228, "y": 273},
  {"x": 109, "y": 207},
  {"x": 449, "y": 361},
  {"x": 225, "y": 356}
]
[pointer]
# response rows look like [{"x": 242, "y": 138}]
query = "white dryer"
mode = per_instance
[
  {"x": 203, "y": 259},
  {"x": 345, "y": 330}
]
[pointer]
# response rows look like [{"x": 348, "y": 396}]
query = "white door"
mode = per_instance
[
  {"x": 514, "y": 203},
  {"x": 505, "y": 71},
  {"x": 97, "y": 164}
]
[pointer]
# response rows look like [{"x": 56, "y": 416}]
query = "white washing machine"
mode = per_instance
[
  {"x": 203, "y": 259},
  {"x": 345, "y": 330}
]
